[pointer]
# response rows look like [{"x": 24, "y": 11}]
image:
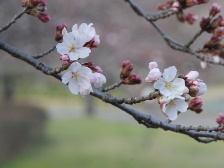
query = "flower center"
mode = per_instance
[
  {"x": 72, "y": 48},
  {"x": 169, "y": 85},
  {"x": 75, "y": 75},
  {"x": 171, "y": 104}
]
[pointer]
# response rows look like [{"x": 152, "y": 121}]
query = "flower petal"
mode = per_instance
[
  {"x": 171, "y": 113},
  {"x": 66, "y": 77},
  {"x": 181, "y": 105},
  {"x": 83, "y": 52},
  {"x": 159, "y": 84},
  {"x": 73, "y": 87},
  {"x": 169, "y": 73},
  {"x": 74, "y": 67}
]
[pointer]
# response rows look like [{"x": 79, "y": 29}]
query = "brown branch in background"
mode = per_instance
[
  {"x": 133, "y": 100},
  {"x": 13, "y": 20},
  {"x": 201, "y": 134},
  {"x": 151, "y": 17},
  {"x": 171, "y": 42},
  {"x": 59, "y": 69},
  {"x": 37, "y": 56},
  {"x": 112, "y": 87}
]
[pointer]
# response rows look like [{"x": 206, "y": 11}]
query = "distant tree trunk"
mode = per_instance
[{"x": 8, "y": 88}]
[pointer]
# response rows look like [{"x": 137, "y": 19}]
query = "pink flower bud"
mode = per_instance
[
  {"x": 43, "y": 17},
  {"x": 132, "y": 79},
  {"x": 195, "y": 104},
  {"x": 154, "y": 75},
  {"x": 192, "y": 75},
  {"x": 220, "y": 119},
  {"x": 190, "y": 17},
  {"x": 98, "y": 69},
  {"x": 64, "y": 57},
  {"x": 153, "y": 65},
  {"x": 59, "y": 32},
  {"x": 215, "y": 9},
  {"x": 176, "y": 6},
  {"x": 126, "y": 69}
]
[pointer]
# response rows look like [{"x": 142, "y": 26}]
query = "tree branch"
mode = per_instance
[
  {"x": 37, "y": 56},
  {"x": 13, "y": 20}
]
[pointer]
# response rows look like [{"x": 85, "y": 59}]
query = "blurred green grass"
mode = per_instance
[{"x": 93, "y": 143}]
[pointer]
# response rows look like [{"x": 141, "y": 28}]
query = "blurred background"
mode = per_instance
[{"x": 43, "y": 125}]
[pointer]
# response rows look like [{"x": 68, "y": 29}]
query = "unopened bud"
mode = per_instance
[
  {"x": 220, "y": 119},
  {"x": 132, "y": 79},
  {"x": 195, "y": 104},
  {"x": 126, "y": 69},
  {"x": 215, "y": 9},
  {"x": 59, "y": 33}
]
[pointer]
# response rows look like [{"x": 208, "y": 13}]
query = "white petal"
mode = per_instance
[
  {"x": 66, "y": 77},
  {"x": 171, "y": 113},
  {"x": 165, "y": 92},
  {"x": 85, "y": 71},
  {"x": 73, "y": 56},
  {"x": 181, "y": 105},
  {"x": 179, "y": 85},
  {"x": 74, "y": 67},
  {"x": 62, "y": 48},
  {"x": 159, "y": 84},
  {"x": 74, "y": 27},
  {"x": 84, "y": 81},
  {"x": 192, "y": 75},
  {"x": 73, "y": 87},
  {"x": 83, "y": 52},
  {"x": 169, "y": 73},
  {"x": 202, "y": 88},
  {"x": 83, "y": 26},
  {"x": 85, "y": 92}
]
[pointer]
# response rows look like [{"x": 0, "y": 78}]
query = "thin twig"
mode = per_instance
[
  {"x": 111, "y": 87},
  {"x": 194, "y": 38},
  {"x": 37, "y": 56},
  {"x": 13, "y": 20}
]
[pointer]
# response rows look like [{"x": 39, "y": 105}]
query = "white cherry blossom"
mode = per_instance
[
  {"x": 172, "y": 105},
  {"x": 98, "y": 79},
  {"x": 78, "y": 79},
  {"x": 84, "y": 32},
  {"x": 73, "y": 47},
  {"x": 168, "y": 85}
]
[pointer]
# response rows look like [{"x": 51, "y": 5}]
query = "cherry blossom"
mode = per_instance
[
  {"x": 171, "y": 105},
  {"x": 73, "y": 47},
  {"x": 98, "y": 79},
  {"x": 84, "y": 32},
  {"x": 168, "y": 85},
  {"x": 78, "y": 79}
]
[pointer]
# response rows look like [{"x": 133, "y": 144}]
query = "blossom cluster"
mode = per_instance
[
  {"x": 173, "y": 90},
  {"x": 214, "y": 25},
  {"x": 179, "y": 6},
  {"x": 37, "y": 8},
  {"x": 74, "y": 46}
]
